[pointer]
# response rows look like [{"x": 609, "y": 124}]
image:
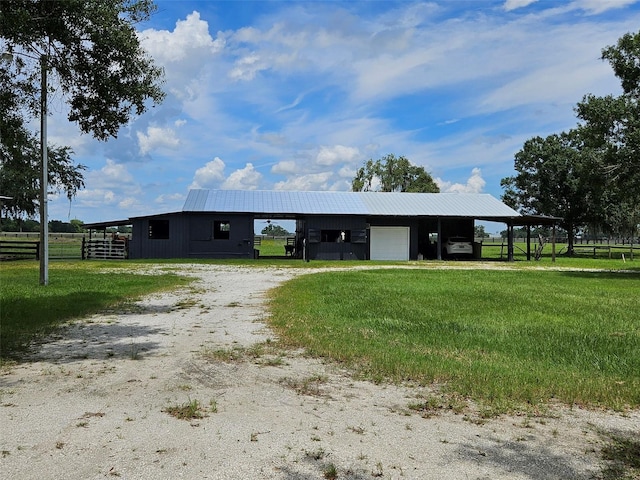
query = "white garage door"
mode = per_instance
[{"x": 389, "y": 243}]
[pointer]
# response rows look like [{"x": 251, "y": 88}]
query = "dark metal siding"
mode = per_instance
[
  {"x": 317, "y": 249},
  {"x": 202, "y": 243},
  {"x": 141, "y": 246},
  {"x": 191, "y": 236}
]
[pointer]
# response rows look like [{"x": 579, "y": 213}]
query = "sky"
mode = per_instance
[{"x": 292, "y": 95}]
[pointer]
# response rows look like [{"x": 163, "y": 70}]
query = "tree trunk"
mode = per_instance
[{"x": 570, "y": 240}]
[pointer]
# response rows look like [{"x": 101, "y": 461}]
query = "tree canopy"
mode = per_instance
[
  {"x": 275, "y": 230},
  {"x": 557, "y": 176},
  {"x": 589, "y": 176},
  {"x": 391, "y": 174},
  {"x": 20, "y": 173},
  {"x": 92, "y": 48},
  {"x": 92, "y": 54}
]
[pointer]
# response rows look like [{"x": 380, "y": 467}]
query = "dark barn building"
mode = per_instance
[{"x": 329, "y": 225}]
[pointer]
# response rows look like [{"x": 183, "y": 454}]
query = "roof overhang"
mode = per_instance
[
  {"x": 105, "y": 225},
  {"x": 537, "y": 220},
  {"x": 524, "y": 220}
]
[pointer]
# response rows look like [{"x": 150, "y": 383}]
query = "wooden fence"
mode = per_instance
[{"x": 19, "y": 249}]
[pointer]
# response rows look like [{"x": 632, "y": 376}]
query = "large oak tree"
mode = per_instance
[
  {"x": 556, "y": 176},
  {"x": 589, "y": 176},
  {"x": 391, "y": 174}
]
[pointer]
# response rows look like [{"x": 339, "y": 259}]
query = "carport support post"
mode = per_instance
[
  {"x": 553, "y": 243},
  {"x": 510, "y": 243},
  {"x": 528, "y": 242},
  {"x": 439, "y": 243}
]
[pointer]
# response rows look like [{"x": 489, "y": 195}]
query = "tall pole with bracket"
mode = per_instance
[{"x": 44, "y": 179}]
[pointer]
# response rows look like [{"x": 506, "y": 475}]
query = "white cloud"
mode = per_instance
[
  {"x": 96, "y": 198},
  {"x": 189, "y": 55},
  {"x": 247, "y": 67},
  {"x": 209, "y": 176},
  {"x": 212, "y": 176},
  {"x": 347, "y": 172},
  {"x": 170, "y": 198},
  {"x": 340, "y": 186},
  {"x": 310, "y": 182},
  {"x": 328, "y": 156},
  {"x": 595, "y": 7},
  {"x": 157, "y": 137},
  {"x": 111, "y": 185},
  {"x": 515, "y": 4},
  {"x": 128, "y": 203},
  {"x": 286, "y": 167},
  {"x": 189, "y": 36},
  {"x": 247, "y": 178},
  {"x": 112, "y": 176},
  {"x": 475, "y": 184}
]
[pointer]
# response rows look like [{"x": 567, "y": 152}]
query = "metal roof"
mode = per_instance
[{"x": 259, "y": 202}]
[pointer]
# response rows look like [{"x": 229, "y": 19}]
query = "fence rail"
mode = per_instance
[
  {"x": 105, "y": 249},
  {"x": 19, "y": 249}
]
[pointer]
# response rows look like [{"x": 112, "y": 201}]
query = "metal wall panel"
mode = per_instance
[
  {"x": 141, "y": 246},
  {"x": 203, "y": 244}
]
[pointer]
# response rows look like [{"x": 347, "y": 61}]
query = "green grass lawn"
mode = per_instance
[
  {"x": 505, "y": 339},
  {"x": 29, "y": 311}
]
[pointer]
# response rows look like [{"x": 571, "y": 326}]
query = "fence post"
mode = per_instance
[{"x": 83, "y": 255}]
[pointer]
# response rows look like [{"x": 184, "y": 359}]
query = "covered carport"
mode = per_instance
[
  {"x": 114, "y": 247},
  {"x": 529, "y": 221},
  {"x": 102, "y": 226}
]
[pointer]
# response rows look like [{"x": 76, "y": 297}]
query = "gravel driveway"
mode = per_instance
[{"x": 94, "y": 402}]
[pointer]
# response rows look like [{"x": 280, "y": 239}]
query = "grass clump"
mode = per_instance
[
  {"x": 76, "y": 289},
  {"x": 434, "y": 405},
  {"x": 265, "y": 354},
  {"x": 505, "y": 339},
  {"x": 189, "y": 410},
  {"x": 311, "y": 386},
  {"x": 330, "y": 472}
]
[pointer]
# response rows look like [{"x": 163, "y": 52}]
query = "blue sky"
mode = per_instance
[{"x": 297, "y": 95}]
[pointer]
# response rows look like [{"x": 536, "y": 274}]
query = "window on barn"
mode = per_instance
[
  {"x": 335, "y": 236},
  {"x": 359, "y": 236},
  {"x": 221, "y": 229},
  {"x": 159, "y": 229}
]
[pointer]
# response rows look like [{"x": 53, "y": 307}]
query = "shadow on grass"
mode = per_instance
[
  {"x": 603, "y": 275},
  {"x": 35, "y": 329}
]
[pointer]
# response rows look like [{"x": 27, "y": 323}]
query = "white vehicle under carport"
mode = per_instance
[{"x": 456, "y": 247}]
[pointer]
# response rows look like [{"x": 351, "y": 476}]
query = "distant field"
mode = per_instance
[{"x": 270, "y": 247}]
